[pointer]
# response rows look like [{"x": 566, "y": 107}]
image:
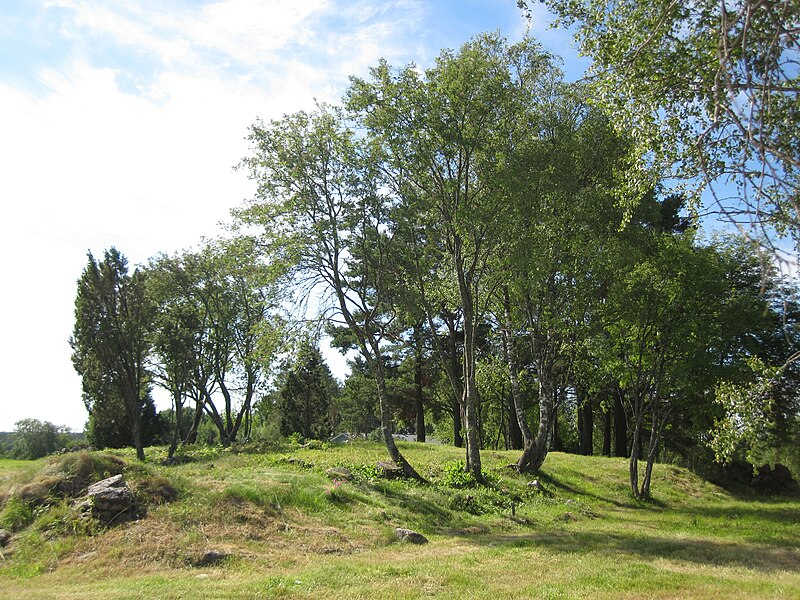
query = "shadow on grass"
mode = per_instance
[
  {"x": 426, "y": 513},
  {"x": 551, "y": 482},
  {"x": 762, "y": 525},
  {"x": 701, "y": 552}
]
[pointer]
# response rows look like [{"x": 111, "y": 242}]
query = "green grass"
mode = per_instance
[{"x": 291, "y": 532}]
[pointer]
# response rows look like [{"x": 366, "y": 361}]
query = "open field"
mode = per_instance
[{"x": 289, "y": 531}]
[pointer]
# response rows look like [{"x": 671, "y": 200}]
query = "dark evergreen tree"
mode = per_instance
[
  {"x": 306, "y": 397},
  {"x": 110, "y": 341}
]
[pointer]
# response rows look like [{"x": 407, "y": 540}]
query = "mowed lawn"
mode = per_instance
[{"x": 287, "y": 529}]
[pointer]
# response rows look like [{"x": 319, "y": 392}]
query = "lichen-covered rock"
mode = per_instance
[
  {"x": 412, "y": 537},
  {"x": 389, "y": 470},
  {"x": 339, "y": 473},
  {"x": 112, "y": 500}
]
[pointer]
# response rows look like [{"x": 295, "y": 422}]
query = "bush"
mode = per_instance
[
  {"x": 455, "y": 475},
  {"x": 17, "y": 513},
  {"x": 155, "y": 490}
]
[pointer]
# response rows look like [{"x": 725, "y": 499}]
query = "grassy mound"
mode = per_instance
[{"x": 275, "y": 524}]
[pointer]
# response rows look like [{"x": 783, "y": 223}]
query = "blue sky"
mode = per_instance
[{"x": 121, "y": 120}]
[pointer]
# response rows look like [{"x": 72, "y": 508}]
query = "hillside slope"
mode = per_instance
[{"x": 227, "y": 524}]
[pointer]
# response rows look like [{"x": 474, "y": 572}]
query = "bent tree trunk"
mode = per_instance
[
  {"x": 534, "y": 453},
  {"x": 534, "y": 449},
  {"x": 386, "y": 429},
  {"x": 176, "y": 433},
  {"x": 659, "y": 420}
]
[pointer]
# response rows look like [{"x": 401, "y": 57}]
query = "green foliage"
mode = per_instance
[
  {"x": 456, "y": 475},
  {"x": 109, "y": 426},
  {"x": 709, "y": 91},
  {"x": 745, "y": 430},
  {"x": 110, "y": 339},
  {"x": 35, "y": 439},
  {"x": 17, "y": 513},
  {"x": 307, "y": 395}
]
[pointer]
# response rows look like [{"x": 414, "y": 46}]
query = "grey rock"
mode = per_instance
[
  {"x": 112, "y": 500},
  {"x": 212, "y": 557},
  {"x": 535, "y": 485},
  {"x": 389, "y": 470},
  {"x": 5, "y": 537},
  {"x": 412, "y": 537},
  {"x": 339, "y": 473}
]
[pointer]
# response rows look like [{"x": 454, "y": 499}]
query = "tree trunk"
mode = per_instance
[
  {"x": 519, "y": 432},
  {"x": 620, "y": 425},
  {"x": 515, "y": 441},
  {"x": 375, "y": 361},
  {"x": 458, "y": 440},
  {"x": 585, "y": 424},
  {"x": 633, "y": 467},
  {"x": 191, "y": 437},
  {"x": 472, "y": 433},
  {"x": 418, "y": 390},
  {"x": 556, "y": 443},
  {"x": 606, "y": 432},
  {"x": 177, "y": 402},
  {"x": 534, "y": 454},
  {"x": 215, "y": 417},
  {"x": 136, "y": 430},
  {"x": 420, "y": 425}
]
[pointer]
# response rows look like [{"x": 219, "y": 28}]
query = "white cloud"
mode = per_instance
[{"x": 93, "y": 162}]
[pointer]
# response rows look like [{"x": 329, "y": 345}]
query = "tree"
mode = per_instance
[
  {"x": 323, "y": 217},
  {"x": 110, "y": 339},
  {"x": 216, "y": 331},
  {"x": 445, "y": 136},
  {"x": 561, "y": 202},
  {"x": 109, "y": 425},
  {"x": 710, "y": 87},
  {"x": 177, "y": 337},
  {"x": 34, "y": 439},
  {"x": 307, "y": 395}
]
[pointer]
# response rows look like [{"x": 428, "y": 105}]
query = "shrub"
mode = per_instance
[
  {"x": 455, "y": 475},
  {"x": 155, "y": 490},
  {"x": 17, "y": 513}
]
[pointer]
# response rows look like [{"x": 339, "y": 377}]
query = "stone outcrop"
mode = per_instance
[
  {"x": 389, "y": 470},
  {"x": 411, "y": 537},
  {"x": 339, "y": 473},
  {"x": 111, "y": 500}
]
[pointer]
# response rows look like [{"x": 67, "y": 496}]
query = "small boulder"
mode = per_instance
[
  {"x": 112, "y": 500},
  {"x": 5, "y": 537},
  {"x": 535, "y": 486},
  {"x": 389, "y": 470},
  {"x": 339, "y": 473},
  {"x": 210, "y": 558},
  {"x": 412, "y": 537}
]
